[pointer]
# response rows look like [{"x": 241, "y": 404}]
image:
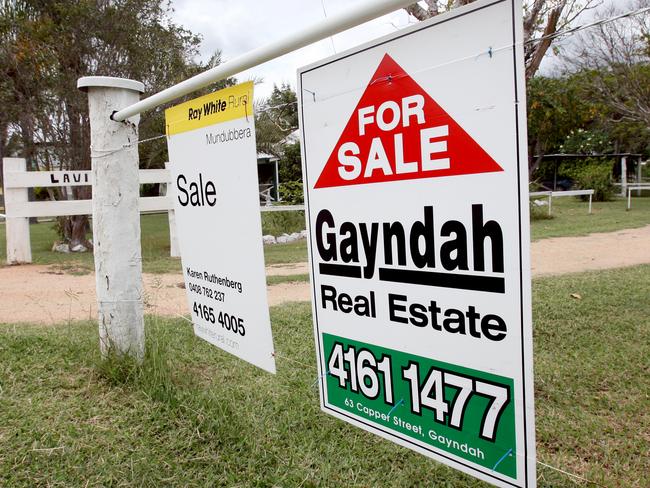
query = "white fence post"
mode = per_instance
[
  {"x": 116, "y": 216},
  {"x": 19, "y": 248},
  {"x": 623, "y": 175},
  {"x": 171, "y": 216}
]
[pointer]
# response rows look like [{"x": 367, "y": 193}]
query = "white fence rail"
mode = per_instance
[
  {"x": 569, "y": 193},
  {"x": 18, "y": 209},
  {"x": 45, "y": 179},
  {"x": 61, "y": 208},
  {"x": 641, "y": 187}
]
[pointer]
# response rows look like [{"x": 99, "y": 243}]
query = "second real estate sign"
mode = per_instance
[
  {"x": 211, "y": 142},
  {"x": 415, "y": 171}
]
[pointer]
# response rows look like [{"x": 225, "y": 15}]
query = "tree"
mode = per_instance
[
  {"x": 542, "y": 18},
  {"x": 616, "y": 55},
  {"x": 556, "y": 107},
  {"x": 291, "y": 162},
  {"x": 276, "y": 118},
  {"x": 275, "y": 124},
  {"x": 23, "y": 66},
  {"x": 46, "y": 46},
  {"x": 153, "y": 154}
]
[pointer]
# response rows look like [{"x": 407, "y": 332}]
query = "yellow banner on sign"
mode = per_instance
[{"x": 230, "y": 103}]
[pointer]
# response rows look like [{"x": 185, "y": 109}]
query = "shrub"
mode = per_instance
[
  {"x": 291, "y": 192},
  {"x": 277, "y": 223},
  {"x": 583, "y": 141},
  {"x": 592, "y": 174}
]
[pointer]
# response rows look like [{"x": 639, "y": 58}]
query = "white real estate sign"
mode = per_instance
[
  {"x": 211, "y": 143},
  {"x": 415, "y": 172}
]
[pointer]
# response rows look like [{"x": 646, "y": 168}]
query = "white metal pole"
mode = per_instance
[
  {"x": 116, "y": 216},
  {"x": 629, "y": 199},
  {"x": 623, "y": 175},
  {"x": 590, "y": 195},
  {"x": 277, "y": 182},
  {"x": 334, "y": 24},
  {"x": 19, "y": 248}
]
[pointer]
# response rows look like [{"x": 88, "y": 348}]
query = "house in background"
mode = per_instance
[
  {"x": 268, "y": 178},
  {"x": 628, "y": 164}
]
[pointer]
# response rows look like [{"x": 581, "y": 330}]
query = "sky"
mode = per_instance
[{"x": 238, "y": 26}]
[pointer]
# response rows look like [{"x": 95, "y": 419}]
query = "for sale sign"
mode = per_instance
[
  {"x": 415, "y": 171},
  {"x": 211, "y": 143}
]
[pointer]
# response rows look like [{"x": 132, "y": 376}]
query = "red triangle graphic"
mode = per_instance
[{"x": 398, "y": 132}]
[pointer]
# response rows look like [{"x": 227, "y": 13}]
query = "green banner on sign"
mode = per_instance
[{"x": 438, "y": 405}]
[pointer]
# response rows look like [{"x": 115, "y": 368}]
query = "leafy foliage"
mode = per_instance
[
  {"x": 275, "y": 130},
  {"x": 566, "y": 115},
  {"x": 278, "y": 223},
  {"x": 291, "y": 192},
  {"x": 556, "y": 106},
  {"x": 593, "y": 174},
  {"x": 46, "y": 46},
  {"x": 291, "y": 163},
  {"x": 581, "y": 141}
]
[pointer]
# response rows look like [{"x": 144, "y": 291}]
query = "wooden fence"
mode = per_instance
[{"x": 19, "y": 210}]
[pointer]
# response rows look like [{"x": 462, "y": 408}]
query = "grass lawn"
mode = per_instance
[
  {"x": 275, "y": 280},
  {"x": 195, "y": 416},
  {"x": 155, "y": 245},
  {"x": 570, "y": 218}
]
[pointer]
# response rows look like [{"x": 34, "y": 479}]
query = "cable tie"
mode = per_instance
[
  {"x": 313, "y": 94},
  {"x": 319, "y": 377},
  {"x": 401, "y": 400},
  {"x": 501, "y": 459}
]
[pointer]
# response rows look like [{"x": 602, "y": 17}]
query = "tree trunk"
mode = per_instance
[
  {"x": 539, "y": 51},
  {"x": 29, "y": 152},
  {"x": 535, "y": 156},
  {"x": 78, "y": 226}
]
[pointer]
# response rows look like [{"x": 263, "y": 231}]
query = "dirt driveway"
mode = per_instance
[{"x": 41, "y": 294}]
